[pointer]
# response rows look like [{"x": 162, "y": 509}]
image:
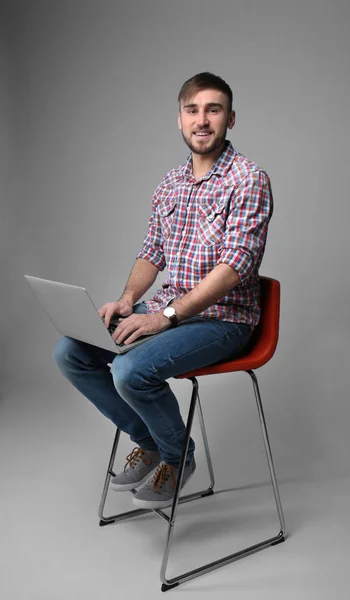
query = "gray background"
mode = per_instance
[{"x": 88, "y": 128}]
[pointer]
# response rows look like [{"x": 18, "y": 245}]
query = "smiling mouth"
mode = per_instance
[{"x": 202, "y": 134}]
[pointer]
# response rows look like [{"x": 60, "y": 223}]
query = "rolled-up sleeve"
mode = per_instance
[
  {"x": 247, "y": 224},
  {"x": 152, "y": 249}
]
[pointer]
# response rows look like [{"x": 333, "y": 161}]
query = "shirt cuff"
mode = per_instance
[
  {"x": 153, "y": 256},
  {"x": 239, "y": 261}
]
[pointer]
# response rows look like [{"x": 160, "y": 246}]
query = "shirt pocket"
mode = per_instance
[
  {"x": 166, "y": 212},
  {"x": 211, "y": 223}
]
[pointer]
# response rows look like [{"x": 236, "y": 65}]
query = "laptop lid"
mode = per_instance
[{"x": 72, "y": 312}]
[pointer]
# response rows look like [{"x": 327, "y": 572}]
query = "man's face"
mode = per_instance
[{"x": 203, "y": 120}]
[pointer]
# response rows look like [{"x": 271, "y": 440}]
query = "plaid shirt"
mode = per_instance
[{"x": 198, "y": 224}]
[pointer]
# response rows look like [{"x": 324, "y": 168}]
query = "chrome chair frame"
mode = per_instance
[{"x": 168, "y": 584}]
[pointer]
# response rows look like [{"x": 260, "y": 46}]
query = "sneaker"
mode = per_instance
[
  {"x": 159, "y": 490},
  {"x": 139, "y": 466}
]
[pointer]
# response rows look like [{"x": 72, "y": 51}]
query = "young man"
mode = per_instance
[{"x": 208, "y": 226}]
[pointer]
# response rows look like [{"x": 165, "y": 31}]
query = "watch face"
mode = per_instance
[{"x": 169, "y": 311}]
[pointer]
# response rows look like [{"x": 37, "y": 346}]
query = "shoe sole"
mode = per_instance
[
  {"x": 120, "y": 487},
  {"x": 153, "y": 504}
]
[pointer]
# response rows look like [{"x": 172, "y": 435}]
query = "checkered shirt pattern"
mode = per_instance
[{"x": 198, "y": 224}]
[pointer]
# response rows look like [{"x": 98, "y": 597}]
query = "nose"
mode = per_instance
[{"x": 202, "y": 118}]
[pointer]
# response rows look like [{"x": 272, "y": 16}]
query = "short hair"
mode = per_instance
[{"x": 205, "y": 81}]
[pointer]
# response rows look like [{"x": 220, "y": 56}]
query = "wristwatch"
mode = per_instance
[{"x": 170, "y": 313}]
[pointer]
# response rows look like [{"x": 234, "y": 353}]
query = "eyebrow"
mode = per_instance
[{"x": 209, "y": 105}]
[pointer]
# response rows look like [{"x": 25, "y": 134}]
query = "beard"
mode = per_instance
[{"x": 203, "y": 150}]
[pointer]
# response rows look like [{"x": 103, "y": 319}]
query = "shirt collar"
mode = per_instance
[{"x": 221, "y": 167}]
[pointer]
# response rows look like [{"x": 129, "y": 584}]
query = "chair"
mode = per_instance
[{"x": 260, "y": 350}]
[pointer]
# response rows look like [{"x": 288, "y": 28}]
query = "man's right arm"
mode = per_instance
[
  {"x": 149, "y": 261},
  {"x": 142, "y": 276}
]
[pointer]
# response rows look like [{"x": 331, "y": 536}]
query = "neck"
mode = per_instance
[{"x": 202, "y": 163}]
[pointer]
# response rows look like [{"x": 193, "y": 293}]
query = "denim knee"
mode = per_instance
[{"x": 127, "y": 375}]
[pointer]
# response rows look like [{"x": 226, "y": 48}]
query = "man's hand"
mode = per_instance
[
  {"x": 121, "y": 307},
  {"x": 135, "y": 326}
]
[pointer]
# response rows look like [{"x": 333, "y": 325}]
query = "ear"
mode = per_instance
[
  {"x": 231, "y": 119},
  {"x": 179, "y": 122}
]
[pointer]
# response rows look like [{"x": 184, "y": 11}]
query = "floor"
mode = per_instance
[{"x": 53, "y": 459}]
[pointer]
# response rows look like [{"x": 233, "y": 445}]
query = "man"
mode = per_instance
[{"x": 208, "y": 226}]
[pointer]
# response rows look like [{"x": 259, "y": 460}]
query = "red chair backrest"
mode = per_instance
[{"x": 264, "y": 338}]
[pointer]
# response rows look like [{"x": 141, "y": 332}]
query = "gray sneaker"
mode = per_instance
[
  {"x": 159, "y": 489},
  {"x": 139, "y": 466}
]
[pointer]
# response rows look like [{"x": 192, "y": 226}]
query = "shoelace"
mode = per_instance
[
  {"x": 134, "y": 456},
  {"x": 162, "y": 475}
]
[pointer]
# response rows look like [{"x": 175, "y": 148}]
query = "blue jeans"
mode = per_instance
[{"x": 134, "y": 393}]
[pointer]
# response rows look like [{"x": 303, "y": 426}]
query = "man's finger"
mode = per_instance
[
  {"x": 120, "y": 336},
  {"x": 108, "y": 316},
  {"x": 132, "y": 337},
  {"x": 117, "y": 335}
]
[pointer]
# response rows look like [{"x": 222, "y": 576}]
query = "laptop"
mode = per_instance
[{"x": 74, "y": 314}]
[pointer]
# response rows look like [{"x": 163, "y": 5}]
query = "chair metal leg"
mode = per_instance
[
  {"x": 122, "y": 516},
  {"x": 194, "y": 397},
  {"x": 205, "y": 441},
  {"x": 175, "y": 581},
  {"x": 268, "y": 449}
]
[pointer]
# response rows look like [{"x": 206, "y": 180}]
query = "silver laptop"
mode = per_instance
[{"x": 73, "y": 314}]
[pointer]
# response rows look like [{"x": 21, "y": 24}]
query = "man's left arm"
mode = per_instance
[
  {"x": 245, "y": 238},
  {"x": 216, "y": 284}
]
